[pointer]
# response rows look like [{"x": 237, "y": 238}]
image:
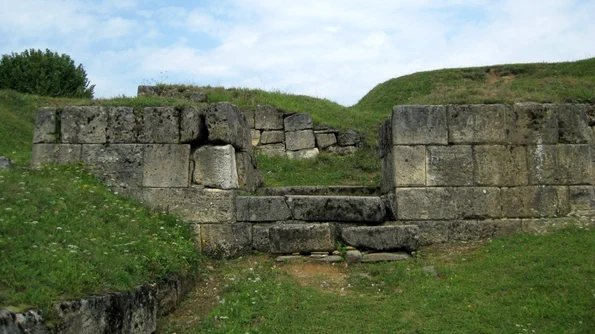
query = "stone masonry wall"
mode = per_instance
[{"x": 487, "y": 169}]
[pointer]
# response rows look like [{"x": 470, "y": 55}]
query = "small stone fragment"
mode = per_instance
[
  {"x": 353, "y": 256},
  {"x": 381, "y": 257}
]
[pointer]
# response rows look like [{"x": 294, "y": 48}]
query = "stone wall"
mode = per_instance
[{"x": 487, "y": 168}]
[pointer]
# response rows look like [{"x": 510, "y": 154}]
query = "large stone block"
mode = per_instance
[
  {"x": 410, "y": 165},
  {"x": 325, "y": 139},
  {"x": 122, "y": 125},
  {"x": 226, "y": 240},
  {"x": 582, "y": 200},
  {"x": 449, "y": 165},
  {"x": 382, "y": 238},
  {"x": 83, "y": 125},
  {"x": 44, "y": 154},
  {"x": 477, "y": 202},
  {"x": 573, "y": 124},
  {"x": 348, "y": 138},
  {"x": 260, "y": 237},
  {"x": 337, "y": 208},
  {"x": 272, "y": 137},
  {"x": 200, "y": 205},
  {"x": 309, "y": 153},
  {"x": 271, "y": 150},
  {"x": 388, "y": 173},
  {"x": 292, "y": 238},
  {"x": 299, "y": 140},
  {"x": 250, "y": 118},
  {"x": 426, "y": 204},
  {"x": 46, "y": 126},
  {"x": 262, "y": 208},
  {"x": 226, "y": 124},
  {"x": 478, "y": 124},
  {"x": 166, "y": 165},
  {"x": 215, "y": 167},
  {"x": 535, "y": 201},
  {"x": 117, "y": 165},
  {"x": 560, "y": 164},
  {"x": 430, "y": 232},
  {"x": 268, "y": 118},
  {"x": 497, "y": 165},
  {"x": 249, "y": 177},
  {"x": 415, "y": 125},
  {"x": 533, "y": 123},
  {"x": 160, "y": 126},
  {"x": 193, "y": 126},
  {"x": 297, "y": 122},
  {"x": 385, "y": 138}
]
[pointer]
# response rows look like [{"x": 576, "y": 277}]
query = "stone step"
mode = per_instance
[
  {"x": 319, "y": 190},
  {"x": 382, "y": 238}
]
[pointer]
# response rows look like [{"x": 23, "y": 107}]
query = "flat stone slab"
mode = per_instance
[
  {"x": 262, "y": 208},
  {"x": 385, "y": 257},
  {"x": 292, "y": 238},
  {"x": 319, "y": 190},
  {"x": 46, "y": 126},
  {"x": 298, "y": 122},
  {"x": 327, "y": 259},
  {"x": 382, "y": 238},
  {"x": 337, "y": 208},
  {"x": 288, "y": 258}
]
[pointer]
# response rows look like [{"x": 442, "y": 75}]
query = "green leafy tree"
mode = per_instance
[{"x": 44, "y": 73}]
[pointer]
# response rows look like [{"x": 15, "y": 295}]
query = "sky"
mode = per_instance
[{"x": 334, "y": 49}]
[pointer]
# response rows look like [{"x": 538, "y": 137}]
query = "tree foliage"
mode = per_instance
[{"x": 44, "y": 73}]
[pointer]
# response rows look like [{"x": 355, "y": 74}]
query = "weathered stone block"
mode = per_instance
[
  {"x": 166, "y": 165},
  {"x": 497, "y": 165},
  {"x": 415, "y": 125},
  {"x": 262, "y": 208},
  {"x": 200, "y": 205},
  {"x": 410, "y": 165},
  {"x": 477, "y": 202},
  {"x": 387, "y": 175},
  {"x": 260, "y": 237},
  {"x": 215, "y": 167},
  {"x": 271, "y": 150},
  {"x": 292, "y": 238},
  {"x": 156, "y": 198},
  {"x": 299, "y": 140},
  {"x": 268, "y": 118},
  {"x": 582, "y": 200},
  {"x": 118, "y": 165},
  {"x": 506, "y": 227},
  {"x": 382, "y": 238},
  {"x": 160, "y": 126},
  {"x": 478, "y": 124},
  {"x": 535, "y": 201},
  {"x": 573, "y": 124},
  {"x": 337, "y": 208},
  {"x": 449, "y": 165},
  {"x": 309, "y": 153},
  {"x": 385, "y": 138},
  {"x": 348, "y": 138},
  {"x": 122, "y": 125},
  {"x": 297, "y": 122},
  {"x": 532, "y": 123},
  {"x": 249, "y": 177},
  {"x": 226, "y": 240},
  {"x": 256, "y": 135},
  {"x": 226, "y": 124},
  {"x": 431, "y": 232},
  {"x": 324, "y": 140},
  {"x": 560, "y": 164},
  {"x": 83, "y": 125},
  {"x": 470, "y": 230},
  {"x": 272, "y": 137},
  {"x": 193, "y": 126},
  {"x": 46, "y": 126},
  {"x": 43, "y": 154},
  {"x": 250, "y": 118},
  {"x": 426, "y": 203},
  {"x": 342, "y": 150}
]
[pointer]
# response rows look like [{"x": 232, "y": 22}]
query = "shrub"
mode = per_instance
[{"x": 44, "y": 73}]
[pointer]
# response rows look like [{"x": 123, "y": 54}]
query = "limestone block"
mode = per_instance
[
  {"x": 272, "y": 150},
  {"x": 449, "y": 165},
  {"x": 262, "y": 208},
  {"x": 268, "y": 118},
  {"x": 426, "y": 204},
  {"x": 297, "y": 122},
  {"x": 415, "y": 125},
  {"x": 292, "y": 238},
  {"x": 505, "y": 227},
  {"x": 250, "y": 118},
  {"x": 215, "y": 167},
  {"x": 46, "y": 126},
  {"x": 226, "y": 240},
  {"x": 388, "y": 173},
  {"x": 44, "y": 154},
  {"x": 83, "y": 125},
  {"x": 260, "y": 237},
  {"x": 385, "y": 138},
  {"x": 382, "y": 238},
  {"x": 160, "y": 126},
  {"x": 226, "y": 124},
  {"x": 478, "y": 124},
  {"x": 582, "y": 200},
  {"x": 342, "y": 150},
  {"x": 337, "y": 208},
  {"x": 324, "y": 140},
  {"x": 272, "y": 137},
  {"x": 477, "y": 202},
  {"x": 299, "y": 140},
  {"x": 498, "y": 165},
  {"x": 166, "y": 165},
  {"x": 122, "y": 125},
  {"x": 309, "y": 153},
  {"x": 256, "y": 136},
  {"x": 532, "y": 123},
  {"x": 249, "y": 177},
  {"x": 192, "y": 125},
  {"x": 348, "y": 138},
  {"x": 410, "y": 165},
  {"x": 118, "y": 165},
  {"x": 203, "y": 205},
  {"x": 470, "y": 230},
  {"x": 573, "y": 124},
  {"x": 560, "y": 164},
  {"x": 156, "y": 198},
  {"x": 535, "y": 201},
  {"x": 431, "y": 232}
]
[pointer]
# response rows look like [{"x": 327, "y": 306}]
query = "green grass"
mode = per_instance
[{"x": 522, "y": 284}]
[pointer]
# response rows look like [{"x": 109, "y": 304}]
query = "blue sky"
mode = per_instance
[{"x": 335, "y": 49}]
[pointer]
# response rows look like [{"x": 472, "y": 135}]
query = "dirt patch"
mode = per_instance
[{"x": 326, "y": 277}]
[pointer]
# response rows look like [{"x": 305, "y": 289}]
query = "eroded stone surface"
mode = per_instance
[
  {"x": 268, "y": 118},
  {"x": 118, "y": 165},
  {"x": 262, "y": 208},
  {"x": 382, "y": 238},
  {"x": 226, "y": 124},
  {"x": 272, "y": 137},
  {"x": 291, "y": 238},
  {"x": 46, "y": 126},
  {"x": 324, "y": 140},
  {"x": 122, "y": 126},
  {"x": 299, "y": 140},
  {"x": 249, "y": 177},
  {"x": 166, "y": 165},
  {"x": 215, "y": 167},
  {"x": 83, "y": 125},
  {"x": 160, "y": 125},
  {"x": 226, "y": 240},
  {"x": 419, "y": 125},
  {"x": 498, "y": 165},
  {"x": 449, "y": 165},
  {"x": 297, "y": 122},
  {"x": 201, "y": 205},
  {"x": 43, "y": 154},
  {"x": 337, "y": 208}
]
